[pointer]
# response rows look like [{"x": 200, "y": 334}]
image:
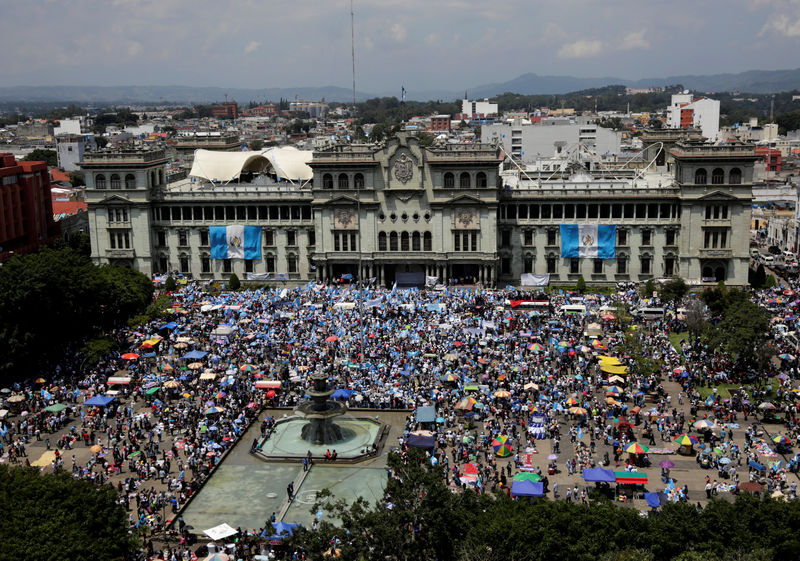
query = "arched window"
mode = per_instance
[
  {"x": 382, "y": 241},
  {"x": 115, "y": 184},
  {"x": 449, "y": 180},
  {"x": 404, "y": 241},
  {"x": 427, "y": 242},
  {"x": 464, "y": 180},
  {"x": 327, "y": 181},
  {"x": 344, "y": 181},
  {"x": 480, "y": 179},
  {"x": 100, "y": 181},
  {"x": 717, "y": 176},
  {"x": 700, "y": 177},
  {"x": 393, "y": 241},
  {"x": 184, "y": 262},
  {"x": 152, "y": 179},
  {"x": 130, "y": 181},
  {"x": 415, "y": 241},
  {"x": 358, "y": 181},
  {"x": 735, "y": 177},
  {"x": 161, "y": 177}
]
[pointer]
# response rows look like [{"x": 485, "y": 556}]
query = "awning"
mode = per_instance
[
  {"x": 207, "y": 376},
  {"x": 98, "y": 401},
  {"x": 119, "y": 380},
  {"x": 597, "y": 475},
  {"x": 612, "y": 369},
  {"x": 268, "y": 384},
  {"x": 631, "y": 477}
]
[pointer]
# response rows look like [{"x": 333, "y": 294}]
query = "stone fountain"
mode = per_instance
[{"x": 319, "y": 413}]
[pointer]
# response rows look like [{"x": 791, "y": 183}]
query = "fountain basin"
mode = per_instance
[{"x": 287, "y": 443}]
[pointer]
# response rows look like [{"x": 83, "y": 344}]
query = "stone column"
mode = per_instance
[{"x": 383, "y": 274}]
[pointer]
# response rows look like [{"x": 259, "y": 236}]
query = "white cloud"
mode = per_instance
[
  {"x": 134, "y": 48},
  {"x": 634, "y": 40},
  {"x": 398, "y": 32},
  {"x": 783, "y": 24},
  {"x": 252, "y": 46},
  {"x": 580, "y": 49}
]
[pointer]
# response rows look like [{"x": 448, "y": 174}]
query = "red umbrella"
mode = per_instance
[
  {"x": 130, "y": 356},
  {"x": 271, "y": 394},
  {"x": 331, "y": 339}
]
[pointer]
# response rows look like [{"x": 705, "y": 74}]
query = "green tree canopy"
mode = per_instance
[
  {"x": 42, "y": 155},
  {"x": 56, "y": 517}
]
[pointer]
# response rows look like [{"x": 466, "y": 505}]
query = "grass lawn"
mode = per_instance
[
  {"x": 722, "y": 390},
  {"x": 675, "y": 338}
]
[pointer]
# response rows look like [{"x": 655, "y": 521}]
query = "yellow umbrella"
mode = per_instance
[
  {"x": 609, "y": 360},
  {"x": 613, "y": 369}
]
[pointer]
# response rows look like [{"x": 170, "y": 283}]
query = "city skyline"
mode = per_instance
[{"x": 443, "y": 46}]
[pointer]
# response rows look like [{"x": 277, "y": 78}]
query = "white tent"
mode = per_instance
[
  {"x": 219, "y": 532},
  {"x": 223, "y": 167},
  {"x": 286, "y": 162},
  {"x": 290, "y": 163}
]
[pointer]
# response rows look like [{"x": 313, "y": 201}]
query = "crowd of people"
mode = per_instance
[{"x": 182, "y": 390}]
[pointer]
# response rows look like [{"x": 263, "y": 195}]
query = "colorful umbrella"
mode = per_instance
[
  {"x": 196, "y": 366},
  {"x": 248, "y": 367},
  {"x": 578, "y": 410},
  {"x": 786, "y": 356},
  {"x": 686, "y": 440},
  {"x": 781, "y": 439},
  {"x": 502, "y": 446},
  {"x": 535, "y": 347},
  {"x": 450, "y": 377},
  {"x": 467, "y": 403},
  {"x": 214, "y": 410},
  {"x": 705, "y": 424},
  {"x": 502, "y": 394},
  {"x": 636, "y": 448},
  {"x": 172, "y": 384},
  {"x": 572, "y": 401},
  {"x": 96, "y": 449},
  {"x": 766, "y": 405},
  {"x": 40, "y": 380}
]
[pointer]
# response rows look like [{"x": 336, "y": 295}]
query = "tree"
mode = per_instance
[
  {"x": 41, "y": 155},
  {"x": 760, "y": 277},
  {"x": 76, "y": 179},
  {"x": 234, "y": 283},
  {"x": 169, "y": 284},
  {"x": 59, "y": 517},
  {"x": 695, "y": 318},
  {"x": 649, "y": 288},
  {"x": 673, "y": 290},
  {"x": 256, "y": 144},
  {"x": 741, "y": 332},
  {"x": 580, "y": 286}
]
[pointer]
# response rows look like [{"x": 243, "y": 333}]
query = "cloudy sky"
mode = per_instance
[{"x": 422, "y": 44}]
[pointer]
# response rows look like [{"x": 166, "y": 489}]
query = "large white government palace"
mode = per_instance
[{"x": 401, "y": 212}]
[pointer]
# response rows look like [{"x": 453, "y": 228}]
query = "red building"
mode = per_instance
[
  {"x": 772, "y": 157},
  {"x": 226, "y": 110},
  {"x": 26, "y": 207},
  {"x": 440, "y": 123}
]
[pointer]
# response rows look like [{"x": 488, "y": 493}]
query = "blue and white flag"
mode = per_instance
[
  {"x": 235, "y": 242},
  {"x": 589, "y": 240}
]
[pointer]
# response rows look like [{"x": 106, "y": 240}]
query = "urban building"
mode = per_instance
[
  {"x": 26, "y": 208},
  {"x": 315, "y": 109},
  {"x": 186, "y": 144},
  {"x": 476, "y": 110},
  {"x": 225, "y": 110},
  {"x": 70, "y": 149},
  {"x": 440, "y": 123},
  {"x": 399, "y": 212},
  {"x": 686, "y": 111},
  {"x": 771, "y": 157},
  {"x": 527, "y": 142}
]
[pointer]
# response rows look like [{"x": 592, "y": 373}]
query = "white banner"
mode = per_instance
[{"x": 529, "y": 279}]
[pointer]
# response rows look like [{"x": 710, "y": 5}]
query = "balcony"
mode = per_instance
[
  {"x": 120, "y": 253},
  {"x": 715, "y": 252}
]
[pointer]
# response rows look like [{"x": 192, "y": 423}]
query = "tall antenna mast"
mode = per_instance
[{"x": 353, "y": 53}]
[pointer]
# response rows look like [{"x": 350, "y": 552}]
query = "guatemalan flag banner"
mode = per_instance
[
  {"x": 589, "y": 240},
  {"x": 235, "y": 242}
]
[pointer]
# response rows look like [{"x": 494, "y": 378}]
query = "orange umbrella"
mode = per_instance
[{"x": 96, "y": 449}]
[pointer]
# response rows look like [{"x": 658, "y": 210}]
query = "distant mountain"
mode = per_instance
[
  {"x": 171, "y": 94},
  {"x": 752, "y": 81}
]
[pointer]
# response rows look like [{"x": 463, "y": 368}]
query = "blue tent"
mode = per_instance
[
  {"x": 426, "y": 442},
  {"x": 655, "y": 500},
  {"x": 194, "y": 355},
  {"x": 282, "y": 530},
  {"x": 755, "y": 465},
  {"x": 99, "y": 401},
  {"x": 527, "y": 489},
  {"x": 426, "y": 414},
  {"x": 170, "y": 326},
  {"x": 342, "y": 393},
  {"x": 598, "y": 475}
]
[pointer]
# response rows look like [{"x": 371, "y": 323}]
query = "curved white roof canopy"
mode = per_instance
[{"x": 286, "y": 162}]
